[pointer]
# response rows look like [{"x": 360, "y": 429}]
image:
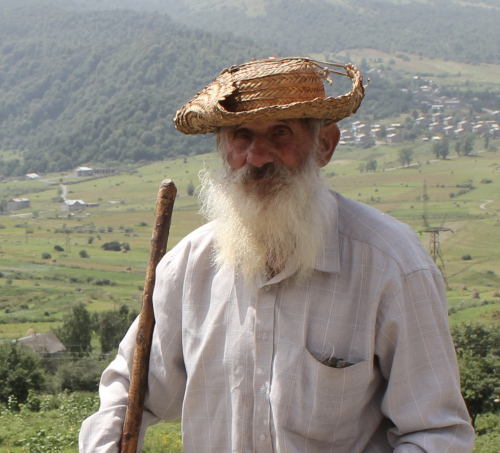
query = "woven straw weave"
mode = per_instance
[{"x": 268, "y": 89}]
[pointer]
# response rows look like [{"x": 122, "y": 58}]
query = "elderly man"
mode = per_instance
[{"x": 296, "y": 320}]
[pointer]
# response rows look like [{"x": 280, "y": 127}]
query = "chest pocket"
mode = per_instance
[{"x": 326, "y": 406}]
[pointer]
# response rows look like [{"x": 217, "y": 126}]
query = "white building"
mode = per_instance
[{"x": 72, "y": 205}]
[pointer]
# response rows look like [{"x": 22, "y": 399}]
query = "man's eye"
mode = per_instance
[
  {"x": 242, "y": 135},
  {"x": 283, "y": 132}
]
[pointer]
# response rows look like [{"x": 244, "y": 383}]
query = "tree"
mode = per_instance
[
  {"x": 480, "y": 383},
  {"x": 20, "y": 372},
  {"x": 361, "y": 167},
  {"x": 445, "y": 148},
  {"x": 441, "y": 149},
  {"x": 76, "y": 331},
  {"x": 113, "y": 325},
  {"x": 84, "y": 254},
  {"x": 190, "y": 189},
  {"x": 477, "y": 347},
  {"x": 371, "y": 165},
  {"x": 405, "y": 156},
  {"x": 468, "y": 143}
]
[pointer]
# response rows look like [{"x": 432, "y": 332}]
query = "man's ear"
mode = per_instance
[{"x": 329, "y": 137}]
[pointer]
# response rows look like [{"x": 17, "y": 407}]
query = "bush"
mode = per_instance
[
  {"x": 486, "y": 181},
  {"x": 46, "y": 256},
  {"x": 83, "y": 254},
  {"x": 20, "y": 372},
  {"x": 113, "y": 245},
  {"x": 58, "y": 248},
  {"x": 81, "y": 375},
  {"x": 466, "y": 257}
]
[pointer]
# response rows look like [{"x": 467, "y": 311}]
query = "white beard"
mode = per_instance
[{"x": 266, "y": 223}]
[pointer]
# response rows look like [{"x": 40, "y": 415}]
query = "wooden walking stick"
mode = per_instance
[{"x": 139, "y": 377}]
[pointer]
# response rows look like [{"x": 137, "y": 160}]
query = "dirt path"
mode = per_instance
[
  {"x": 64, "y": 191},
  {"x": 484, "y": 208}
]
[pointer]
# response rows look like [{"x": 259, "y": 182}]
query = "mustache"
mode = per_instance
[{"x": 268, "y": 172}]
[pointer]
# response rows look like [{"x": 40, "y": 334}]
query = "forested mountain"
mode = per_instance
[
  {"x": 441, "y": 29},
  {"x": 465, "y": 31},
  {"x": 89, "y": 87}
]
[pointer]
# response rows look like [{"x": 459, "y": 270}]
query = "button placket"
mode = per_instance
[{"x": 264, "y": 332}]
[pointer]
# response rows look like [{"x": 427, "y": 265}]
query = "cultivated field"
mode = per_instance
[{"x": 36, "y": 293}]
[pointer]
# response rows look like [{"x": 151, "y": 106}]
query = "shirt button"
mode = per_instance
[
  {"x": 263, "y": 389},
  {"x": 267, "y": 287},
  {"x": 262, "y": 438},
  {"x": 265, "y": 337}
]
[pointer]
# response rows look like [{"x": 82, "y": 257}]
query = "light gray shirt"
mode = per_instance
[{"x": 243, "y": 364}]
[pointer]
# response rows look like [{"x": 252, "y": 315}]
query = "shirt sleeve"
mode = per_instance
[
  {"x": 418, "y": 360},
  {"x": 101, "y": 432}
]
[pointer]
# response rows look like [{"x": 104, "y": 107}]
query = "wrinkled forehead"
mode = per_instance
[{"x": 309, "y": 125}]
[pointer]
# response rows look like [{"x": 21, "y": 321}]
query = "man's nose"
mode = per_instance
[{"x": 260, "y": 152}]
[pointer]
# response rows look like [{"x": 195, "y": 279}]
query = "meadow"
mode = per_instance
[{"x": 35, "y": 293}]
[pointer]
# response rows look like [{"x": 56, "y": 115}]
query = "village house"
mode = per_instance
[
  {"x": 480, "y": 128},
  {"x": 449, "y": 130},
  {"x": 436, "y": 127},
  {"x": 30, "y": 176},
  {"x": 72, "y": 205},
  {"x": 394, "y": 138},
  {"x": 465, "y": 125},
  {"x": 15, "y": 204},
  {"x": 362, "y": 129},
  {"x": 454, "y": 103},
  {"x": 423, "y": 121},
  {"x": 43, "y": 343},
  {"x": 437, "y": 117},
  {"x": 363, "y": 138},
  {"x": 84, "y": 171}
]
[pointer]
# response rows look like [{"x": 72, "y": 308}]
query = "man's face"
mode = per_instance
[
  {"x": 267, "y": 198},
  {"x": 286, "y": 143}
]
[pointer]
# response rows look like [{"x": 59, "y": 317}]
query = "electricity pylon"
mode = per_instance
[{"x": 435, "y": 243}]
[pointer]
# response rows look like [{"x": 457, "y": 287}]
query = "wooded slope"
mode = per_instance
[{"x": 100, "y": 87}]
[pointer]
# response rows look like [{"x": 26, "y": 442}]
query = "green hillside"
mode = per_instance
[{"x": 101, "y": 87}]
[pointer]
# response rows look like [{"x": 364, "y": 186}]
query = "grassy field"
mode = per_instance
[
  {"x": 443, "y": 72},
  {"x": 36, "y": 293}
]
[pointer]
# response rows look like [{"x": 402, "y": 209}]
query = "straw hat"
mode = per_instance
[{"x": 270, "y": 89}]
